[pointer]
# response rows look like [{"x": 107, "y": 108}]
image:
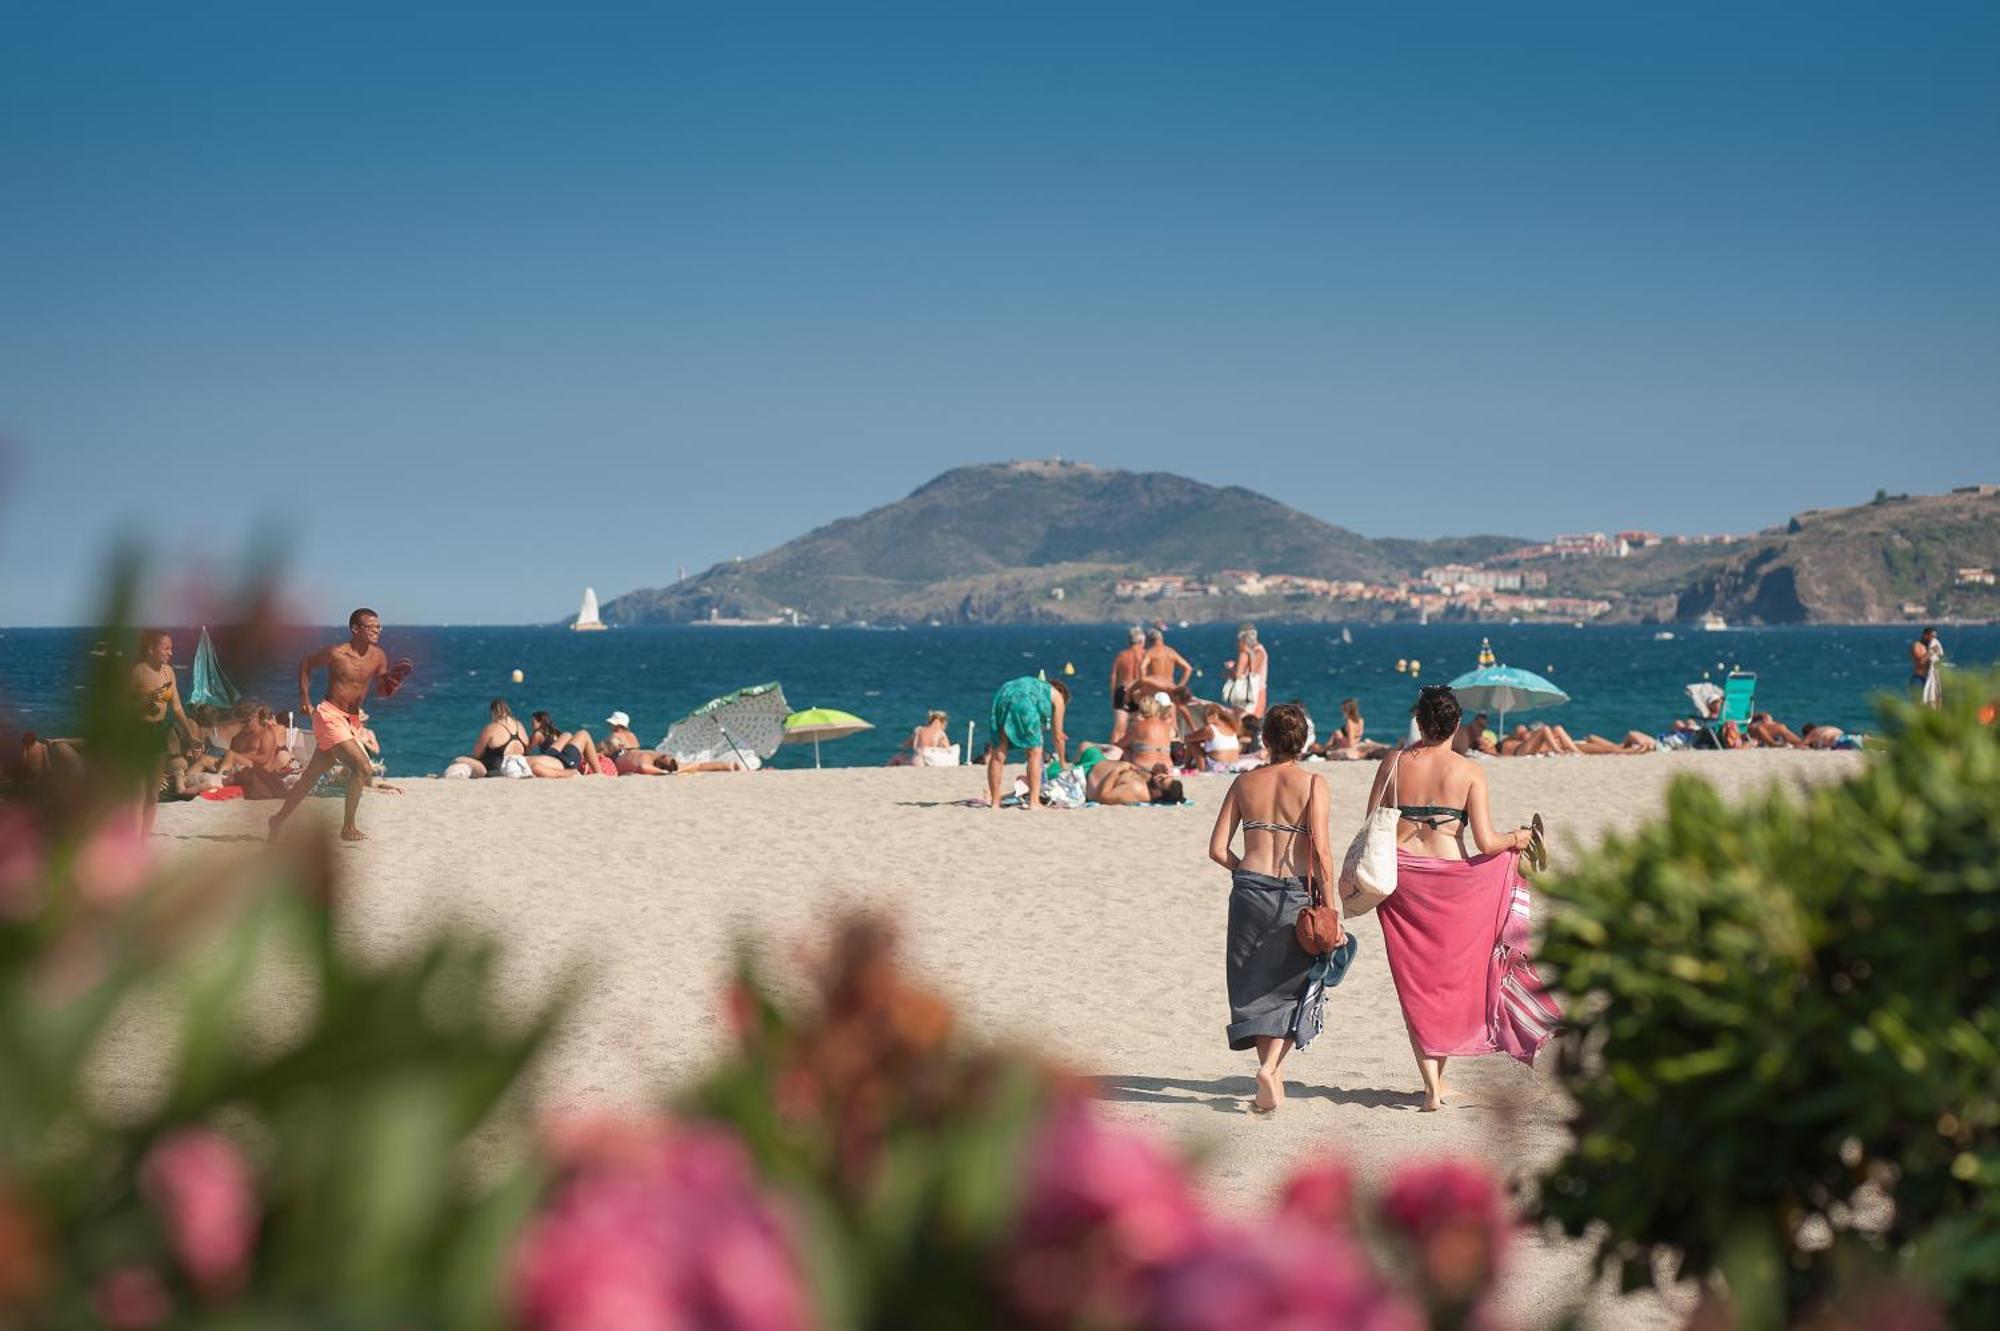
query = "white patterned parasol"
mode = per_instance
[{"x": 746, "y": 726}]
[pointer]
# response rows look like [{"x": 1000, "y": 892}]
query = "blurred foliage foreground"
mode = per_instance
[{"x": 1785, "y": 1054}]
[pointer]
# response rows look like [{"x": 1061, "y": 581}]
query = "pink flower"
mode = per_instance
[
  {"x": 131, "y": 1298},
  {"x": 114, "y": 860},
  {"x": 203, "y": 1186},
  {"x": 1453, "y": 1214},
  {"x": 20, "y": 864},
  {"x": 659, "y": 1229},
  {"x": 1321, "y": 1195},
  {"x": 1284, "y": 1274},
  {"x": 1102, "y": 1210}
]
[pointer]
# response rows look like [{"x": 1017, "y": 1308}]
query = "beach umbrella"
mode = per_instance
[
  {"x": 1505, "y": 689},
  {"x": 211, "y": 687},
  {"x": 822, "y": 723},
  {"x": 747, "y": 725}
]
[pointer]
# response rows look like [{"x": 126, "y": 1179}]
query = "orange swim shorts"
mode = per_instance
[{"x": 333, "y": 727}]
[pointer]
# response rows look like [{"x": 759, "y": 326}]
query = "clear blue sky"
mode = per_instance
[{"x": 475, "y": 307}]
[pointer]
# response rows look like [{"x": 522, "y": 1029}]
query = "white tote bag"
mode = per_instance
[{"x": 1368, "y": 875}]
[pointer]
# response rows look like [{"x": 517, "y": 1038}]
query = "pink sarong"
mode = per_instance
[{"x": 1450, "y": 950}]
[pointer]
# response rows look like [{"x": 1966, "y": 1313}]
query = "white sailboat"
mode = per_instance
[{"x": 586, "y": 617}]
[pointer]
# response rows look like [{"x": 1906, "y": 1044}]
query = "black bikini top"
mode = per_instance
[{"x": 1432, "y": 816}]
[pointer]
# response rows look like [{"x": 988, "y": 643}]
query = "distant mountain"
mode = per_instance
[
  {"x": 989, "y": 543},
  {"x": 1024, "y": 541}
]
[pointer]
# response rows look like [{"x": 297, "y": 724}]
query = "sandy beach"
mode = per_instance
[{"x": 1026, "y": 920}]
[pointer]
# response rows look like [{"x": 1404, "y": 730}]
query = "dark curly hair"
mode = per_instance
[
  {"x": 1284, "y": 731},
  {"x": 1437, "y": 712}
]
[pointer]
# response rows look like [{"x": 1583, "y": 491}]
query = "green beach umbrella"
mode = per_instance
[
  {"x": 822, "y": 723},
  {"x": 211, "y": 686}
]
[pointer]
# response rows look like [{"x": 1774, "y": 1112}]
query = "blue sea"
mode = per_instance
[{"x": 1618, "y": 678}]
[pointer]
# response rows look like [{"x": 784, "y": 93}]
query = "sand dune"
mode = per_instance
[{"x": 1094, "y": 934}]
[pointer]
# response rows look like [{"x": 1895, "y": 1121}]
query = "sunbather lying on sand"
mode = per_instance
[
  {"x": 631, "y": 757},
  {"x": 1114, "y": 781}
]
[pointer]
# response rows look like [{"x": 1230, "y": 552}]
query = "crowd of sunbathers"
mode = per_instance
[
  {"x": 248, "y": 751},
  {"x": 544, "y": 749}
]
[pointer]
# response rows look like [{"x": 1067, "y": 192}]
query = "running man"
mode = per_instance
[
  {"x": 1126, "y": 667},
  {"x": 158, "y": 694},
  {"x": 352, "y": 668},
  {"x": 1024, "y": 711}
]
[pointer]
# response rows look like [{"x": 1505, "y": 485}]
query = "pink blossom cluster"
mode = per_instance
[
  {"x": 1112, "y": 1234},
  {"x": 205, "y": 1190},
  {"x": 1454, "y": 1218},
  {"x": 658, "y": 1227}
]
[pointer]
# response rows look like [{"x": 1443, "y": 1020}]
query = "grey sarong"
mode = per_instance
[{"x": 1266, "y": 966}]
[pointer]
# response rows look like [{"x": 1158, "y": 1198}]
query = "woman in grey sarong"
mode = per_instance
[{"x": 1275, "y": 986}]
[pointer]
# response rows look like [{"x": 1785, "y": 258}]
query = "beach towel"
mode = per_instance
[
  {"x": 1456, "y": 934},
  {"x": 1276, "y": 988}
]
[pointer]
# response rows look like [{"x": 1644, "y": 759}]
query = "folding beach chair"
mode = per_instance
[{"x": 1738, "y": 696}]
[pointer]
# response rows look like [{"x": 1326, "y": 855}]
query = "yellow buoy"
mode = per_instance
[
  {"x": 1401, "y": 665},
  {"x": 518, "y": 677},
  {"x": 1069, "y": 667}
]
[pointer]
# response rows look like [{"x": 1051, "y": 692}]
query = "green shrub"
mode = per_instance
[{"x": 1785, "y": 1050}]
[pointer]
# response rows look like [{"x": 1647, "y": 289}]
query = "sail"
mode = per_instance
[
  {"x": 211, "y": 687},
  {"x": 586, "y": 615}
]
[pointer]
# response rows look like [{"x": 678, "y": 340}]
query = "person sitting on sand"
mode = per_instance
[
  {"x": 1149, "y": 738},
  {"x": 1221, "y": 744},
  {"x": 1348, "y": 742},
  {"x": 502, "y": 749},
  {"x": 1114, "y": 781},
  {"x": 257, "y": 758},
  {"x": 574, "y": 749},
  {"x": 1281, "y": 809},
  {"x": 929, "y": 745},
  {"x": 628, "y": 755},
  {"x": 1440, "y": 925},
  {"x": 1470, "y": 736},
  {"x": 1027, "y": 712}
]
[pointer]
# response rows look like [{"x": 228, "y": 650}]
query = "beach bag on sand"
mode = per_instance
[{"x": 1368, "y": 875}]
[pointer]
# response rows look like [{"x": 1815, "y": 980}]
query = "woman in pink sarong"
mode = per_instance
[{"x": 1441, "y": 926}]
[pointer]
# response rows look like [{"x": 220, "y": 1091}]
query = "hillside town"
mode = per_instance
[{"x": 1505, "y": 585}]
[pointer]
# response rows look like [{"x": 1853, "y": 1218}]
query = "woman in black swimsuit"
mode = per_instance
[
  {"x": 1282, "y": 810},
  {"x": 572, "y": 748},
  {"x": 501, "y": 738}
]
